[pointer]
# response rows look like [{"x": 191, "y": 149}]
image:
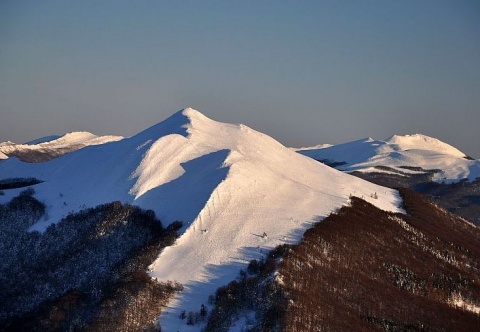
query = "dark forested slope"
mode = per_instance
[
  {"x": 88, "y": 272},
  {"x": 363, "y": 269}
]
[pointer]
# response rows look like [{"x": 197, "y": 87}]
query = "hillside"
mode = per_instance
[
  {"x": 85, "y": 273},
  {"x": 362, "y": 269},
  {"x": 239, "y": 193}
]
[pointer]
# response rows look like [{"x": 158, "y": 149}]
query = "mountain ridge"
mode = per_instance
[{"x": 239, "y": 193}]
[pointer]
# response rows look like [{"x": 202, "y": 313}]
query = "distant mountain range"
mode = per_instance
[
  {"x": 425, "y": 164},
  {"x": 411, "y": 154},
  {"x": 50, "y": 147},
  {"x": 233, "y": 195}
]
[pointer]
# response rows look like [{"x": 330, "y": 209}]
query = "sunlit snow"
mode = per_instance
[{"x": 397, "y": 151}]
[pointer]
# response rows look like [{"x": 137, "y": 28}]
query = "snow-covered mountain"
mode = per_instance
[
  {"x": 50, "y": 147},
  {"x": 239, "y": 193},
  {"x": 399, "y": 153}
]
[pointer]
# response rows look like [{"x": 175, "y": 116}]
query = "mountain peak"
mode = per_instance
[
  {"x": 177, "y": 123},
  {"x": 424, "y": 142},
  {"x": 190, "y": 114}
]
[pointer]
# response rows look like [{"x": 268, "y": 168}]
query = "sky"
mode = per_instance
[{"x": 303, "y": 72}]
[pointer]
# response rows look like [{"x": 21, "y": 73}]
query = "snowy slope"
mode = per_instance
[
  {"x": 228, "y": 183},
  {"x": 265, "y": 187},
  {"x": 54, "y": 146},
  {"x": 409, "y": 150},
  {"x": 3, "y": 156}
]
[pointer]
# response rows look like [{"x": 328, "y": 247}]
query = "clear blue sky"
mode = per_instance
[{"x": 304, "y": 72}]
